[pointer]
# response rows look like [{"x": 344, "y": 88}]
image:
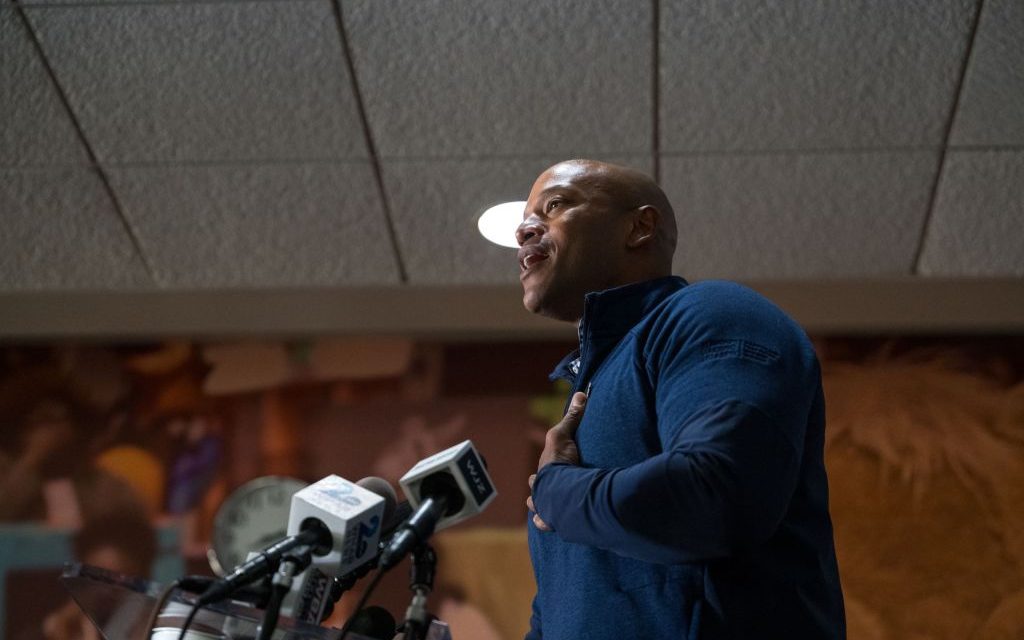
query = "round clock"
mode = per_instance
[{"x": 254, "y": 516}]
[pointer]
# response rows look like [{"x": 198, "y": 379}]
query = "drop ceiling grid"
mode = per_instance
[
  {"x": 265, "y": 106},
  {"x": 799, "y": 118},
  {"x": 420, "y": 128},
  {"x": 36, "y": 129},
  {"x": 805, "y": 75},
  {"x": 991, "y": 112},
  {"x": 260, "y": 226},
  {"x": 799, "y": 216},
  {"x": 61, "y": 232},
  {"x": 65, "y": 203},
  {"x": 977, "y": 226},
  {"x": 209, "y": 82},
  {"x": 473, "y": 78}
]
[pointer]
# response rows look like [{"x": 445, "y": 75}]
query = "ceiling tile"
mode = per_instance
[
  {"x": 36, "y": 128},
  {"x": 977, "y": 225},
  {"x": 806, "y": 74},
  {"x": 443, "y": 78},
  {"x": 259, "y": 226},
  {"x": 798, "y": 215},
  {"x": 991, "y": 108},
  {"x": 435, "y": 205},
  {"x": 60, "y": 231},
  {"x": 205, "y": 81}
]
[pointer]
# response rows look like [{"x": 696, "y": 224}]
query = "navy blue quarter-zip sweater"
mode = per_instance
[{"x": 700, "y": 505}]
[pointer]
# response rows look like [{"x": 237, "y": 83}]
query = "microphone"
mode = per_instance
[
  {"x": 374, "y": 622},
  {"x": 382, "y": 488},
  {"x": 352, "y": 514},
  {"x": 311, "y": 594},
  {"x": 403, "y": 511},
  {"x": 333, "y": 518},
  {"x": 315, "y": 536},
  {"x": 445, "y": 489},
  {"x": 343, "y": 583}
]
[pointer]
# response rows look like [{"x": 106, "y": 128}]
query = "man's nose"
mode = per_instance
[{"x": 530, "y": 229}]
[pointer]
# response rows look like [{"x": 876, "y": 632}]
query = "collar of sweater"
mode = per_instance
[{"x": 608, "y": 315}]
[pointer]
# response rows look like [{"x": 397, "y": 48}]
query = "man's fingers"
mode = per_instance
[
  {"x": 576, "y": 405},
  {"x": 540, "y": 524},
  {"x": 559, "y": 447},
  {"x": 572, "y": 418}
]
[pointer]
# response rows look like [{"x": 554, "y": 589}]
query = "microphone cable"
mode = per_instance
[
  {"x": 188, "y": 621},
  {"x": 161, "y": 600},
  {"x": 192, "y": 582},
  {"x": 187, "y": 582}
]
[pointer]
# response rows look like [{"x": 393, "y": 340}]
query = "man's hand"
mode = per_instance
[{"x": 559, "y": 446}]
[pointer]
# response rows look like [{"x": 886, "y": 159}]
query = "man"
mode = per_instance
[{"x": 683, "y": 495}]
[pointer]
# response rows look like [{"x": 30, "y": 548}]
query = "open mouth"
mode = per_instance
[{"x": 530, "y": 258}]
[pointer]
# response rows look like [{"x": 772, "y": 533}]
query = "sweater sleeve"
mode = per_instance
[{"x": 732, "y": 396}]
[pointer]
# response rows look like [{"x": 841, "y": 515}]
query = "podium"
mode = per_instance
[{"x": 120, "y": 606}]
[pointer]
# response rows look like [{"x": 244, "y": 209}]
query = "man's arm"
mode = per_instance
[
  {"x": 696, "y": 501},
  {"x": 732, "y": 398}
]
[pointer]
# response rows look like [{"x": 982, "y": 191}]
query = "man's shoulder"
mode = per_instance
[
  {"x": 711, "y": 300},
  {"x": 714, "y": 310}
]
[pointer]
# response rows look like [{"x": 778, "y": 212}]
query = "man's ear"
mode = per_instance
[{"x": 643, "y": 227}]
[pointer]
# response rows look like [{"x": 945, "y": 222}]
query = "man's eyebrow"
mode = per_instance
[
  {"x": 563, "y": 188},
  {"x": 543, "y": 196}
]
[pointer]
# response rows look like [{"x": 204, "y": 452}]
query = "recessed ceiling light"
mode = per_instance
[{"x": 498, "y": 224}]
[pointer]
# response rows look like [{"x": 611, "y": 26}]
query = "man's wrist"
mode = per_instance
[
  {"x": 553, "y": 463},
  {"x": 544, "y": 472}
]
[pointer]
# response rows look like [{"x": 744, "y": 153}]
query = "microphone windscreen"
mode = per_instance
[
  {"x": 402, "y": 513},
  {"x": 374, "y": 622},
  {"x": 382, "y": 488}
]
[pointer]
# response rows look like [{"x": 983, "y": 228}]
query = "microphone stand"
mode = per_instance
[
  {"x": 294, "y": 562},
  {"x": 421, "y": 582}
]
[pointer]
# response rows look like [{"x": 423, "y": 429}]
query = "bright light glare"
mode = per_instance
[{"x": 498, "y": 224}]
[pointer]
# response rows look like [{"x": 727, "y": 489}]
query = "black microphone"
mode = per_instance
[
  {"x": 441, "y": 497},
  {"x": 403, "y": 511},
  {"x": 314, "y": 535},
  {"x": 374, "y": 622},
  {"x": 445, "y": 488}
]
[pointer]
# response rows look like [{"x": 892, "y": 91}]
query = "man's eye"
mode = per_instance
[{"x": 552, "y": 204}]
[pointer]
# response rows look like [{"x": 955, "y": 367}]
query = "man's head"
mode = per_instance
[{"x": 590, "y": 226}]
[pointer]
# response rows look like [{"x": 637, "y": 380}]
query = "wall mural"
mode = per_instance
[
  {"x": 926, "y": 466},
  {"x": 120, "y": 455}
]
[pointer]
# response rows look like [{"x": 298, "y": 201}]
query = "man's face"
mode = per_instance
[{"x": 570, "y": 242}]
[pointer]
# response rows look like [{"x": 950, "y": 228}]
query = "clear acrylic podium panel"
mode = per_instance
[{"x": 119, "y": 606}]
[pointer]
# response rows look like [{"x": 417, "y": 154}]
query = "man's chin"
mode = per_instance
[
  {"x": 538, "y": 305},
  {"x": 532, "y": 302}
]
